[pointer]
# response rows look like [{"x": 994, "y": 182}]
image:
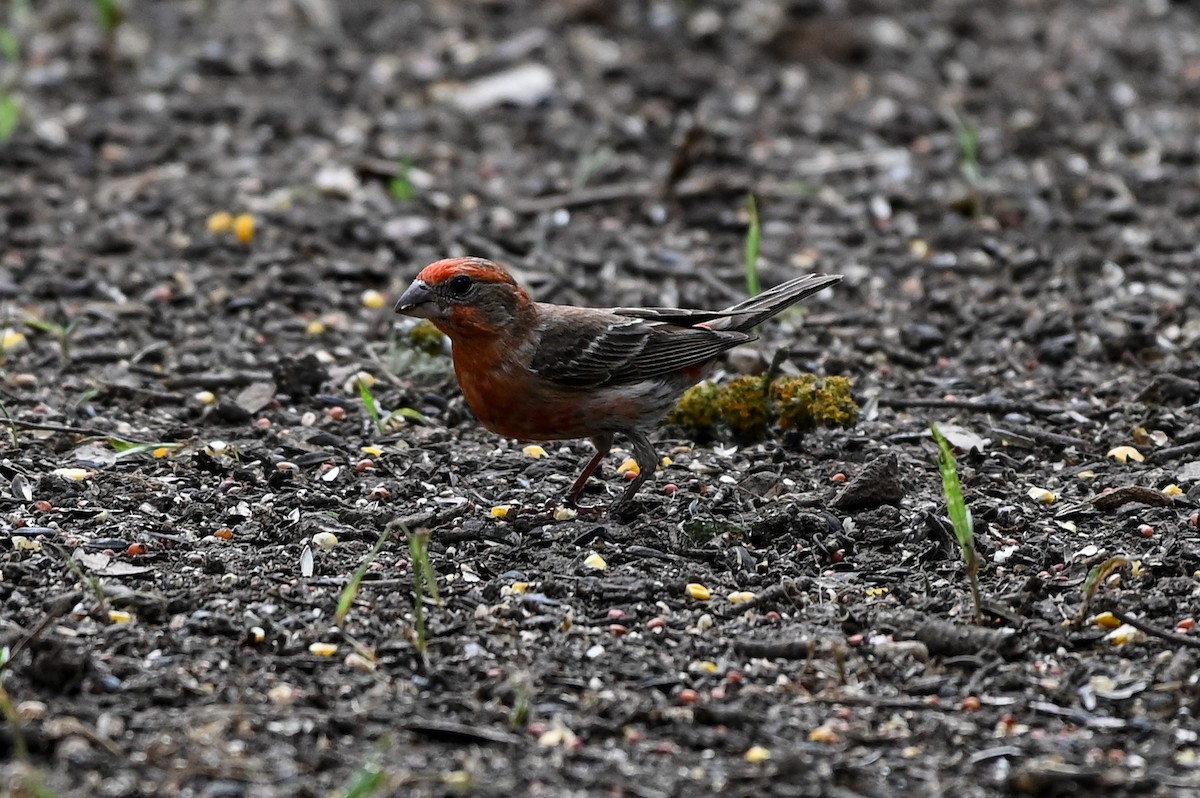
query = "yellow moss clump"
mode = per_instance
[
  {"x": 426, "y": 337},
  {"x": 698, "y": 408},
  {"x": 748, "y": 406},
  {"x": 805, "y": 403}
]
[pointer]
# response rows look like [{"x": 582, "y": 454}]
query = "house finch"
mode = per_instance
[{"x": 544, "y": 372}]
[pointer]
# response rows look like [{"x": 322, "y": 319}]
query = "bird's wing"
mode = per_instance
[
  {"x": 746, "y": 314},
  {"x": 588, "y": 348}
]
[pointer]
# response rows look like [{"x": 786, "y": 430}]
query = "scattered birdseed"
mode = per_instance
[
  {"x": 324, "y": 540},
  {"x": 1042, "y": 496},
  {"x": 595, "y": 562},
  {"x": 501, "y": 511},
  {"x": 77, "y": 474},
  {"x": 1106, "y": 620},
  {"x": 323, "y": 649},
  {"x": 564, "y": 514},
  {"x": 373, "y": 299},
  {"x": 243, "y": 228},
  {"x": 629, "y": 466},
  {"x": 740, "y": 596},
  {"x": 533, "y": 450},
  {"x": 220, "y": 222},
  {"x": 119, "y": 616},
  {"x": 756, "y": 754},
  {"x": 697, "y": 591},
  {"x": 1125, "y": 453}
]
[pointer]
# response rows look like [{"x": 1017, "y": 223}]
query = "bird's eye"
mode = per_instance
[{"x": 460, "y": 285}]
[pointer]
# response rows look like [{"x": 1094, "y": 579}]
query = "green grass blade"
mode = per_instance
[
  {"x": 753, "y": 238},
  {"x": 350, "y": 591}
]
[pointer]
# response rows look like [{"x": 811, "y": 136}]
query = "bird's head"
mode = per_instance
[{"x": 464, "y": 297}]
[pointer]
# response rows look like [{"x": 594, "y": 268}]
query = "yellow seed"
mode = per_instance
[
  {"x": 519, "y": 587},
  {"x": 1125, "y": 634},
  {"x": 11, "y": 340},
  {"x": 1124, "y": 453},
  {"x": 119, "y": 616},
  {"x": 364, "y": 379},
  {"x": 564, "y": 514},
  {"x": 372, "y": 299},
  {"x": 707, "y": 666},
  {"x": 876, "y": 592},
  {"x": 1173, "y": 490},
  {"x": 315, "y": 327},
  {"x": 756, "y": 754},
  {"x": 243, "y": 228},
  {"x": 77, "y": 474},
  {"x": 1106, "y": 620},
  {"x": 258, "y": 634},
  {"x": 22, "y": 543},
  {"x": 1042, "y": 496},
  {"x": 501, "y": 511},
  {"x": 740, "y": 596},
  {"x": 374, "y": 451},
  {"x": 220, "y": 222},
  {"x": 217, "y": 448},
  {"x": 698, "y": 591},
  {"x": 533, "y": 450},
  {"x": 1086, "y": 475},
  {"x": 595, "y": 562},
  {"x": 665, "y": 461},
  {"x": 919, "y": 248},
  {"x": 161, "y": 452},
  {"x": 205, "y": 397},
  {"x": 823, "y": 734},
  {"x": 323, "y": 649},
  {"x": 629, "y": 465}
]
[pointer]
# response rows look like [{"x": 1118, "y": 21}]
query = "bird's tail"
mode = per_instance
[{"x": 752, "y": 312}]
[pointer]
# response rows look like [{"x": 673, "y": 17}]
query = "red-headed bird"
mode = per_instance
[{"x": 542, "y": 372}]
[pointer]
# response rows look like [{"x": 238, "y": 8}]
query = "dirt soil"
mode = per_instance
[{"x": 1011, "y": 190}]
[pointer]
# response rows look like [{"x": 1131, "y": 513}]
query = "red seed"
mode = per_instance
[
  {"x": 838, "y": 477},
  {"x": 336, "y": 413},
  {"x": 688, "y": 696},
  {"x": 670, "y": 489},
  {"x": 135, "y": 549},
  {"x": 656, "y": 623},
  {"x": 616, "y": 614},
  {"x": 617, "y": 629},
  {"x": 262, "y": 423},
  {"x": 838, "y": 555},
  {"x": 365, "y": 464}
]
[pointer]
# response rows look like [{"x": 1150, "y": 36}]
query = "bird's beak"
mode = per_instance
[{"x": 418, "y": 301}]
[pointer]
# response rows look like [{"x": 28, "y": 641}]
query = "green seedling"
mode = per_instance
[
  {"x": 753, "y": 239},
  {"x": 350, "y": 592},
  {"x": 10, "y": 116},
  {"x": 1094, "y": 579},
  {"x": 61, "y": 333},
  {"x": 400, "y": 186},
  {"x": 12, "y": 427},
  {"x": 369, "y": 779},
  {"x": 590, "y": 165},
  {"x": 110, "y": 15},
  {"x": 424, "y": 583},
  {"x": 960, "y": 517},
  {"x": 967, "y": 136},
  {"x": 370, "y": 405}
]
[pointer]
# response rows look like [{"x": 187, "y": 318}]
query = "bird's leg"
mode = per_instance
[
  {"x": 603, "y": 444},
  {"x": 647, "y": 460}
]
